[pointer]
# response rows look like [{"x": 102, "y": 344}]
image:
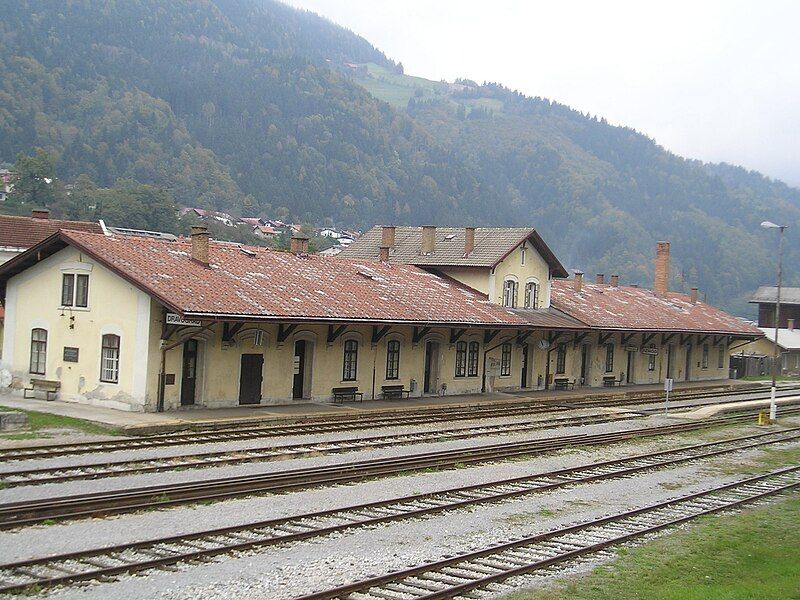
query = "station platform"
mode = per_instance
[{"x": 139, "y": 423}]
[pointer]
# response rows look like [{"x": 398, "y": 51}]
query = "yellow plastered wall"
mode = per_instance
[
  {"x": 534, "y": 269},
  {"x": 33, "y": 300}
]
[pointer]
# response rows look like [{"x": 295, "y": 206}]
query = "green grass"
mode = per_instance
[
  {"x": 754, "y": 555},
  {"x": 39, "y": 423},
  {"x": 769, "y": 378}
]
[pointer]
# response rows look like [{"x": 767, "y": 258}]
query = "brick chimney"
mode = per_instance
[
  {"x": 40, "y": 213},
  {"x": 662, "y": 268},
  {"x": 790, "y": 324},
  {"x": 428, "y": 239},
  {"x": 387, "y": 236},
  {"x": 200, "y": 244},
  {"x": 298, "y": 244},
  {"x": 384, "y": 256},
  {"x": 615, "y": 280},
  {"x": 693, "y": 295},
  {"x": 578, "y": 281},
  {"x": 469, "y": 240},
  {"x": 600, "y": 278}
]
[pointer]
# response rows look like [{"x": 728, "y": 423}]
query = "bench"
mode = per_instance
[
  {"x": 611, "y": 381},
  {"x": 395, "y": 391},
  {"x": 564, "y": 384},
  {"x": 340, "y": 394},
  {"x": 42, "y": 385}
]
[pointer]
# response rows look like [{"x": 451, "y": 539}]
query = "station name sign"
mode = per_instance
[
  {"x": 651, "y": 351},
  {"x": 174, "y": 319}
]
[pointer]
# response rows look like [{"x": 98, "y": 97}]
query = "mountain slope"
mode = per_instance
[{"x": 250, "y": 106}]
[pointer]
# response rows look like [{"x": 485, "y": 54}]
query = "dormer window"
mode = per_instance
[
  {"x": 75, "y": 290},
  {"x": 510, "y": 288},
  {"x": 531, "y": 295}
]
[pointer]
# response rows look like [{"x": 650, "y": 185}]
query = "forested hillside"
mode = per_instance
[{"x": 252, "y": 107}]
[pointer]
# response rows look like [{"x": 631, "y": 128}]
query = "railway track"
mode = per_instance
[
  {"x": 460, "y": 576},
  {"x": 199, "y": 460},
  {"x": 134, "y": 557},
  {"x": 313, "y": 426},
  {"x": 93, "y": 504}
]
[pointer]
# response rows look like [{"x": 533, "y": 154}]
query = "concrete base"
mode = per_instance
[
  {"x": 11, "y": 421},
  {"x": 706, "y": 412}
]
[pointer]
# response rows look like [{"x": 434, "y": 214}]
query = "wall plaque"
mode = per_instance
[{"x": 70, "y": 354}]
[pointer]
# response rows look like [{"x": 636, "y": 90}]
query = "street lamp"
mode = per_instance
[{"x": 773, "y": 409}]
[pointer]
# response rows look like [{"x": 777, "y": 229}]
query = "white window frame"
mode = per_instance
[
  {"x": 109, "y": 362},
  {"x": 510, "y": 292}
]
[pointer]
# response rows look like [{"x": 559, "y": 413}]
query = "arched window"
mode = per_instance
[
  {"x": 393, "y": 360},
  {"x": 609, "y": 358},
  {"x": 472, "y": 362},
  {"x": 561, "y": 359},
  {"x": 461, "y": 359},
  {"x": 531, "y": 295},
  {"x": 38, "y": 351},
  {"x": 510, "y": 288},
  {"x": 350, "y": 363},
  {"x": 109, "y": 359}
]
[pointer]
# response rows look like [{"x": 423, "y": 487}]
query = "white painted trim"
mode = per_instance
[
  {"x": 76, "y": 267},
  {"x": 10, "y": 325},
  {"x": 141, "y": 345}
]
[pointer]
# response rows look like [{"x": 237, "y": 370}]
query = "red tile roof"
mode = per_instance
[
  {"x": 24, "y": 232},
  {"x": 262, "y": 283},
  {"x": 603, "y": 306}
]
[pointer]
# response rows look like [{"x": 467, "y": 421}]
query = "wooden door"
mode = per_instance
[
  {"x": 250, "y": 378},
  {"x": 189, "y": 373}
]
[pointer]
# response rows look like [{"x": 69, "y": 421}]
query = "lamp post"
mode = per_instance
[{"x": 773, "y": 409}]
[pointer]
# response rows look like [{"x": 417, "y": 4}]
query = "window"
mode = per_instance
[
  {"x": 531, "y": 295},
  {"x": 510, "y": 293},
  {"x": 523, "y": 254},
  {"x": 75, "y": 290},
  {"x": 393, "y": 360},
  {"x": 38, "y": 351},
  {"x": 109, "y": 359},
  {"x": 350, "y": 365},
  {"x": 505, "y": 361},
  {"x": 472, "y": 362},
  {"x": 721, "y": 357},
  {"x": 561, "y": 359},
  {"x": 705, "y": 356},
  {"x": 651, "y": 362},
  {"x": 461, "y": 359},
  {"x": 609, "y": 358}
]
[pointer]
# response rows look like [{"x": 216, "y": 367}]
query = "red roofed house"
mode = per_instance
[{"x": 144, "y": 323}]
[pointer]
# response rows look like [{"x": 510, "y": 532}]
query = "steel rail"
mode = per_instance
[
  {"x": 28, "y": 512},
  {"x": 459, "y": 575},
  {"x": 58, "y": 474},
  {"x": 138, "y": 556},
  {"x": 330, "y": 424}
]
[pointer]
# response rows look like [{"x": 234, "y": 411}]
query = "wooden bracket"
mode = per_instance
[
  {"x": 702, "y": 339},
  {"x": 489, "y": 335},
  {"x": 522, "y": 336},
  {"x": 579, "y": 337},
  {"x": 603, "y": 338},
  {"x": 666, "y": 337},
  {"x": 455, "y": 334},
  {"x": 334, "y": 332},
  {"x": 625, "y": 339},
  {"x": 647, "y": 338},
  {"x": 284, "y": 331},
  {"x": 419, "y": 333},
  {"x": 229, "y": 330},
  {"x": 685, "y": 339},
  {"x": 378, "y": 333}
]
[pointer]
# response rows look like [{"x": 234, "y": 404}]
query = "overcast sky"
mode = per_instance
[{"x": 714, "y": 80}]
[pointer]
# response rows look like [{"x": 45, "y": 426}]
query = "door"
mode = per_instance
[
  {"x": 631, "y": 365},
  {"x": 688, "y": 362},
  {"x": 250, "y": 378},
  {"x": 524, "y": 381},
  {"x": 431, "y": 368},
  {"x": 299, "y": 369},
  {"x": 584, "y": 364},
  {"x": 189, "y": 373}
]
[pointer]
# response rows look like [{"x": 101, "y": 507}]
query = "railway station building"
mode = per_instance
[{"x": 140, "y": 322}]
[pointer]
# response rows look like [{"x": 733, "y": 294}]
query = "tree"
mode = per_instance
[{"x": 34, "y": 180}]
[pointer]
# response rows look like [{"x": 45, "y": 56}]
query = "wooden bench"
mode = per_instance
[
  {"x": 42, "y": 385},
  {"x": 340, "y": 394},
  {"x": 611, "y": 381},
  {"x": 564, "y": 384},
  {"x": 395, "y": 391}
]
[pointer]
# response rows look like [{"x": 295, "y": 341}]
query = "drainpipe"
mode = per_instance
[{"x": 162, "y": 374}]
